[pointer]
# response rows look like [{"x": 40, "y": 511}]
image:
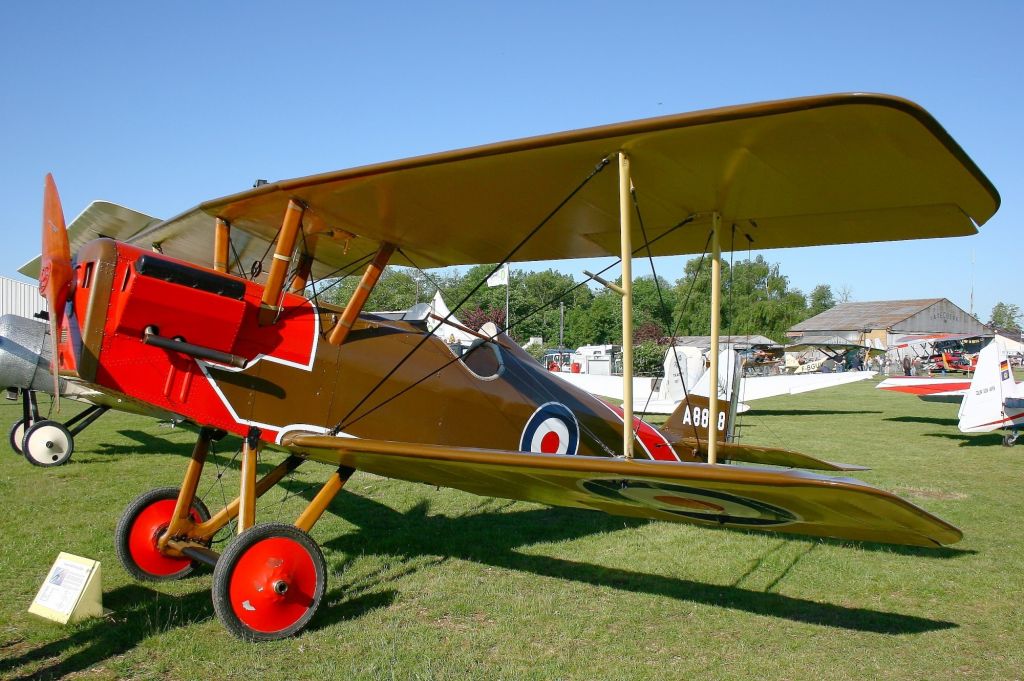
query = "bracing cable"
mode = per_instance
[
  {"x": 345, "y": 424},
  {"x": 601, "y": 165}
]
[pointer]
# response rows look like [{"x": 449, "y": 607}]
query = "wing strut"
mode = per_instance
[
  {"x": 716, "y": 304},
  {"x": 270, "y": 305},
  {"x": 305, "y": 267},
  {"x": 626, "y": 227},
  {"x": 221, "y": 239},
  {"x": 362, "y": 292}
]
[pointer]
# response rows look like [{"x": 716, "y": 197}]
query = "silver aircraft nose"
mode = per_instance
[{"x": 25, "y": 354}]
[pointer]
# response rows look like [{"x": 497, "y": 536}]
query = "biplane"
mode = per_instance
[
  {"x": 833, "y": 350},
  {"x": 944, "y": 352},
  {"x": 214, "y": 316}
]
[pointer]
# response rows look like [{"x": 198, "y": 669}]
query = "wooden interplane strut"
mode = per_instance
[
  {"x": 270, "y": 305},
  {"x": 363, "y": 290},
  {"x": 626, "y": 227},
  {"x": 221, "y": 243}
]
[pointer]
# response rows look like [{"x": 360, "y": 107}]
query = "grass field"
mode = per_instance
[{"x": 438, "y": 584}]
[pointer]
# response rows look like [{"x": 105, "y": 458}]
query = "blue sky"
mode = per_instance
[{"x": 161, "y": 106}]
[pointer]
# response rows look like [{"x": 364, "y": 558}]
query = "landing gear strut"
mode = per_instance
[
  {"x": 29, "y": 415},
  {"x": 270, "y": 580}
]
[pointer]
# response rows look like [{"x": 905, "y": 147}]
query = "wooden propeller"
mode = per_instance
[{"x": 55, "y": 275}]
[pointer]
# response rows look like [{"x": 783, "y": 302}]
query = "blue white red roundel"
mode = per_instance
[{"x": 553, "y": 429}]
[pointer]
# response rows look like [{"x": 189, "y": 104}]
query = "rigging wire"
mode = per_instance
[
  {"x": 679, "y": 319},
  {"x": 238, "y": 259},
  {"x": 743, "y": 385},
  {"x": 665, "y": 314},
  {"x": 429, "y": 278},
  {"x": 601, "y": 165},
  {"x": 343, "y": 424}
]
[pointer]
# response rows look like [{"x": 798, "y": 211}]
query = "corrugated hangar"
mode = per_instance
[
  {"x": 20, "y": 298},
  {"x": 887, "y": 320}
]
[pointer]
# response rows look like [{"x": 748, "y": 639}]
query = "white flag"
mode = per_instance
[{"x": 499, "y": 278}]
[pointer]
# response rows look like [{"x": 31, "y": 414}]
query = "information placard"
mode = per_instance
[{"x": 71, "y": 590}]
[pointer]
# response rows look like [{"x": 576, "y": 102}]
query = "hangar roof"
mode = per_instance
[{"x": 880, "y": 314}]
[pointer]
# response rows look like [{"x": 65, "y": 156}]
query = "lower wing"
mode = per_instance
[{"x": 717, "y": 495}]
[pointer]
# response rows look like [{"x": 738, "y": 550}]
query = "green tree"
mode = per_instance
[
  {"x": 756, "y": 299},
  {"x": 648, "y": 358},
  {"x": 1006, "y": 316},
  {"x": 821, "y": 299},
  {"x": 398, "y": 289},
  {"x": 598, "y": 323}
]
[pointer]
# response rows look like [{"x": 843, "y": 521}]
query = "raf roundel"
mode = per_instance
[{"x": 552, "y": 429}]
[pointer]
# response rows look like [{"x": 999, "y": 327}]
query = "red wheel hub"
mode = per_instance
[
  {"x": 273, "y": 584},
  {"x": 145, "y": 532}
]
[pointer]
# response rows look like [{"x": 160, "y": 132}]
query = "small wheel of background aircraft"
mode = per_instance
[
  {"x": 173, "y": 332},
  {"x": 16, "y": 435},
  {"x": 48, "y": 443},
  {"x": 54, "y": 444},
  {"x": 30, "y": 414}
]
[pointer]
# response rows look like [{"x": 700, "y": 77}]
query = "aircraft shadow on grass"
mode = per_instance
[
  {"x": 972, "y": 440},
  {"x": 492, "y": 537},
  {"x": 808, "y": 412},
  {"x": 932, "y": 420},
  {"x": 144, "y": 442},
  {"x": 139, "y": 612}
]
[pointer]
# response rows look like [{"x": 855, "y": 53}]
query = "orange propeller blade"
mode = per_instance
[{"x": 55, "y": 276}]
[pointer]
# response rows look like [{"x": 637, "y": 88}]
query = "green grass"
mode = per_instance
[{"x": 428, "y": 583}]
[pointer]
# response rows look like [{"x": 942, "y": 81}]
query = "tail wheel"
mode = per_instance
[
  {"x": 269, "y": 582},
  {"x": 48, "y": 443},
  {"x": 16, "y": 436},
  {"x": 140, "y": 527}
]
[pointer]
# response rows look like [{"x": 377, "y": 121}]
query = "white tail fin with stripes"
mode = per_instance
[{"x": 983, "y": 407}]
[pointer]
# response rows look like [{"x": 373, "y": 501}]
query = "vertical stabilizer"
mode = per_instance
[
  {"x": 691, "y": 418},
  {"x": 982, "y": 409}
]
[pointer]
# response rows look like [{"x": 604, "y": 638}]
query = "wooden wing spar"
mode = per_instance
[{"x": 800, "y": 172}]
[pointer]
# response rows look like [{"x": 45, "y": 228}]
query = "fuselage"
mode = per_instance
[{"x": 392, "y": 379}]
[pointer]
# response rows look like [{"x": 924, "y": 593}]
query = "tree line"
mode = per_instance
[{"x": 756, "y": 299}]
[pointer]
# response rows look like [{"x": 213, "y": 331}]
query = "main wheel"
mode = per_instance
[
  {"x": 139, "y": 528},
  {"x": 1009, "y": 440},
  {"x": 269, "y": 582},
  {"x": 48, "y": 443},
  {"x": 17, "y": 435}
]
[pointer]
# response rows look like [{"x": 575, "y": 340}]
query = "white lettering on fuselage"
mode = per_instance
[{"x": 698, "y": 416}]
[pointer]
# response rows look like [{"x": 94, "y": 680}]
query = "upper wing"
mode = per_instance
[
  {"x": 750, "y": 498},
  {"x": 800, "y": 172},
  {"x": 100, "y": 218}
]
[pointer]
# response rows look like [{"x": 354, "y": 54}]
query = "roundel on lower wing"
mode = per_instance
[
  {"x": 552, "y": 429},
  {"x": 691, "y": 502}
]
